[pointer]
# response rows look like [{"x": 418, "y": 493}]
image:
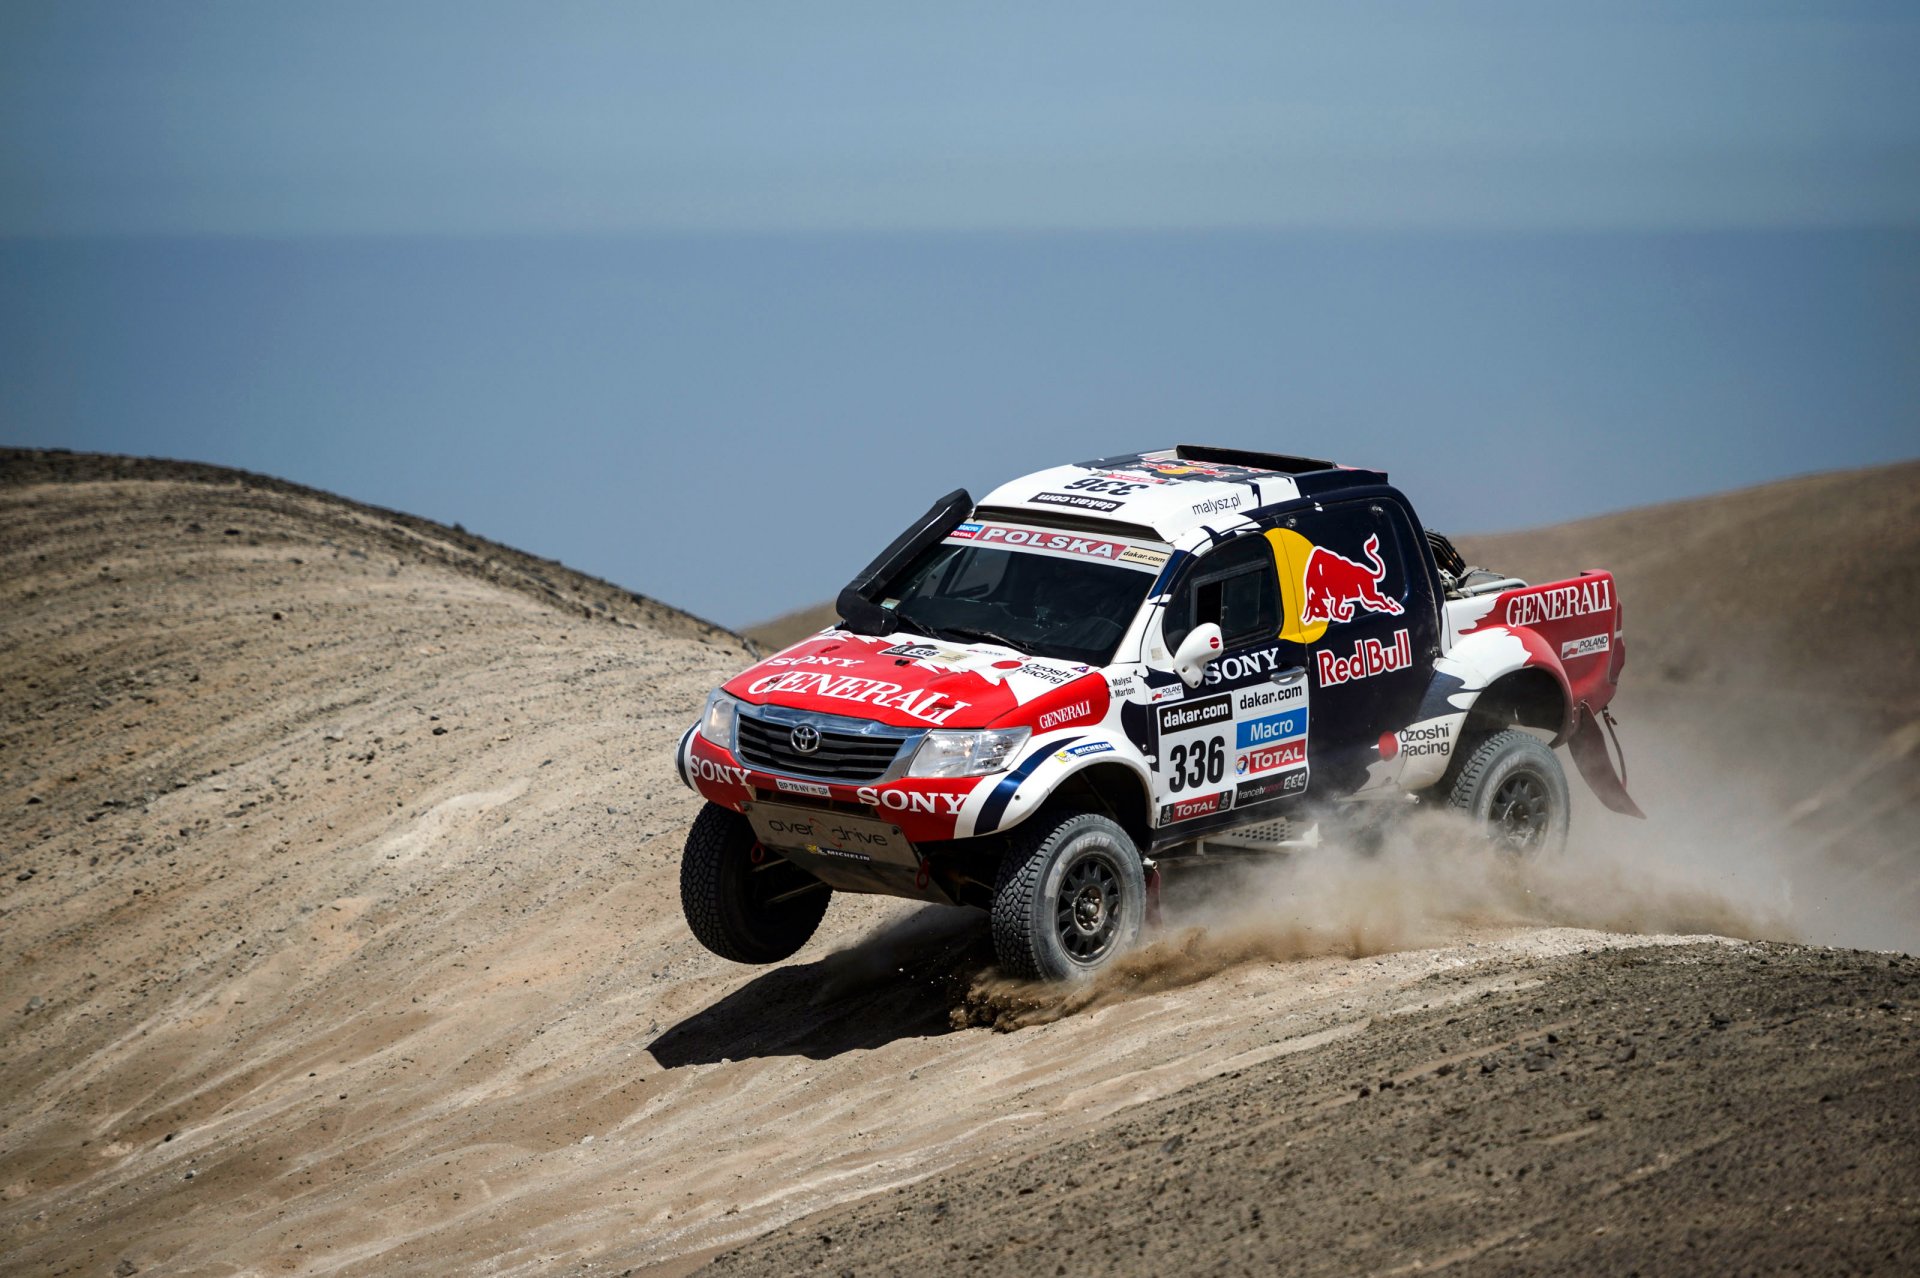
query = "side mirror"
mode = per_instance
[{"x": 1196, "y": 652}]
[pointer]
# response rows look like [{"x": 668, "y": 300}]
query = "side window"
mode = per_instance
[
  {"x": 1234, "y": 586},
  {"x": 1354, "y": 525}
]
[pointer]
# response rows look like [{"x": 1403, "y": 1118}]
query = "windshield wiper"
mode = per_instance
[{"x": 981, "y": 632}]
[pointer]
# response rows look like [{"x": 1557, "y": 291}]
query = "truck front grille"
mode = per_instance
[{"x": 841, "y": 756}]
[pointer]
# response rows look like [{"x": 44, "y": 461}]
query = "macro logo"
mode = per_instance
[{"x": 1270, "y": 729}]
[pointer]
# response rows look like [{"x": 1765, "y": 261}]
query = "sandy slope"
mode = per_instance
[
  {"x": 346, "y": 939},
  {"x": 1677, "y": 1110},
  {"x": 320, "y": 854}
]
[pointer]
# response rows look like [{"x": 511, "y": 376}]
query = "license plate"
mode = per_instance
[{"x": 830, "y": 834}]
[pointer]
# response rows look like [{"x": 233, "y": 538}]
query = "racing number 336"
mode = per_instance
[{"x": 1192, "y": 765}]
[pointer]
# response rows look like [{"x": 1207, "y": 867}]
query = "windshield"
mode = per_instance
[{"x": 1070, "y": 609}]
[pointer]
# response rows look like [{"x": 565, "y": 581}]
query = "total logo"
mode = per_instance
[
  {"x": 720, "y": 774},
  {"x": 936, "y": 803},
  {"x": 1254, "y": 762},
  {"x": 1187, "y": 809},
  {"x": 1370, "y": 657}
]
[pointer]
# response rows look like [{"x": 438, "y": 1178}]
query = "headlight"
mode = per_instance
[
  {"x": 716, "y": 725},
  {"x": 967, "y": 754}
]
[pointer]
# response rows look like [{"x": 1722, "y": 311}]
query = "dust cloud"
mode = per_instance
[
  {"x": 1435, "y": 882},
  {"x": 1762, "y": 825}
]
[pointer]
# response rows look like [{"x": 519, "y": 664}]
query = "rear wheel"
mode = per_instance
[
  {"x": 741, "y": 901},
  {"x": 1513, "y": 784},
  {"x": 1070, "y": 896}
]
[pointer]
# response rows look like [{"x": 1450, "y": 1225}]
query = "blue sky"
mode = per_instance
[
  {"x": 709, "y": 299},
  {"x": 478, "y": 118}
]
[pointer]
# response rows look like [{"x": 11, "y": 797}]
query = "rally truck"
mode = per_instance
[{"x": 1034, "y": 702}]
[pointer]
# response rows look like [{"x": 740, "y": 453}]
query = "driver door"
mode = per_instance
[{"x": 1240, "y": 737}]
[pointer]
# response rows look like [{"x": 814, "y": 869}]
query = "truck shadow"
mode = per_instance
[{"x": 899, "y": 982}]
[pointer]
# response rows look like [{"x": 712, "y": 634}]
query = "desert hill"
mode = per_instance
[
  {"x": 791, "y": 627},
  {"x": 1803, "y": 590},
  {"x": 338, "y": 896}
]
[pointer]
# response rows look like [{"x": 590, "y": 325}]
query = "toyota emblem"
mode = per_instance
[{"x": 805, "y": 738}]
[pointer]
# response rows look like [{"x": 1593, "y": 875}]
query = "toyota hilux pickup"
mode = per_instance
[{"x": 1033, "y": 702}]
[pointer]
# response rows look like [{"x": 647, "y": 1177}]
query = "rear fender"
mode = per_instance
[
  {"x": 1486, "y": 657},
  {"x": 1417, "y": 755}
]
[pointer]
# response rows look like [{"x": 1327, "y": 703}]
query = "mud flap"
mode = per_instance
[{"x": 1588, "y": 747}]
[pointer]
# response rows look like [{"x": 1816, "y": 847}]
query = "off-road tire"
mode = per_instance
[
  {"x": 726, "y": 895},
  {"x": 1512, "y": 784},
  {"x": 1039, "y": 934}
]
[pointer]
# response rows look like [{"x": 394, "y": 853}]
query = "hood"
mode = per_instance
[{"x": 909, "y": 681}]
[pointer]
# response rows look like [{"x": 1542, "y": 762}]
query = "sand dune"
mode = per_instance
[{"x": 341, "y": 935}]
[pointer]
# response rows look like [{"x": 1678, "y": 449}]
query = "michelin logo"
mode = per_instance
[{"x": 1082, "y": 751}]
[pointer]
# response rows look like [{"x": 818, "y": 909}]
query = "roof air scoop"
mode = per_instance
[{"x": 859, "y": 601}]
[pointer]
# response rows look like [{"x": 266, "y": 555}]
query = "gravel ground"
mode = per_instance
[{"x": 1694, "y": 1110}]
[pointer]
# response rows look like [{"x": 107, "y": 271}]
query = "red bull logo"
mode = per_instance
[
  {"x": 1370, "y": 657},
  {"x": 1334, "y": 586}
]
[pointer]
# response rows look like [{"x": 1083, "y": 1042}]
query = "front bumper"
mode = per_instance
[{"x": 924, "y": 809}]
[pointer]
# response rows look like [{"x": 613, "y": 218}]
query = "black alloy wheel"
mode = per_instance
[
  {"x": 1513, "y": 786},
  {"x": 1071, "y": 895}
]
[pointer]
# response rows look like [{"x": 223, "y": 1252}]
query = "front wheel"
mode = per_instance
[
  {"x": 1071, "y": 894},
  {"x": 1513, "y": 785},
  {"x": 741, "y": 901}
]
